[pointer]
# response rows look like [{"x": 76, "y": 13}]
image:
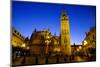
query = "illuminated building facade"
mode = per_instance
[
  {"x": 17, "y": 39},
  {"x": 43, "y": 43},
  {"x": 65, "y": 34},
  {"x": 56, "y": 47},
  {"x": 76, "y": 50},
  {"x": 39, "y": 42},
  {"x": 89, "y": 43},
  {"x": 17, "y": 43}
]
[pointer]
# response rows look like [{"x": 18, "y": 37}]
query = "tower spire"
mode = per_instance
[{"x": 64, "y": 13}]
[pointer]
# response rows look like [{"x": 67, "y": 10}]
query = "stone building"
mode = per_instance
[
  {"x": 39, "y": 42},
  {"x": 56, "y": 47},
  {"x": 17, "y": 44},
  {"x": 76, "y": 50},
  {"x": 89, "y": 43},
  {"x": 17, "y": 40},
  {"x": 65, "y": 34},
  {"x": 43, "y": 43}
]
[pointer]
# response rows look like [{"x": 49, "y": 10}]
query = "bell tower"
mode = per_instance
[{"x": 65, "y": 34}]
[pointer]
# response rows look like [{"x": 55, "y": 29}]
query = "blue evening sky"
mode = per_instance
[{"x": 26, "y": 16}]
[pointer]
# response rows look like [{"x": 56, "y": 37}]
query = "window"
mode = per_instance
[{"x": 65, "y": 40}]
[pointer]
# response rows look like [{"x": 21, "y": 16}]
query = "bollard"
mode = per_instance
[
  {"x": 46, "y": 60},
  {"x": 36, "y": 60}
]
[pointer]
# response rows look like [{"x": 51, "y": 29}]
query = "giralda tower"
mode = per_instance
[{"x": 65, "y": 34}]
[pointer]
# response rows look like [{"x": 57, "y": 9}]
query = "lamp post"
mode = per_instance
[
  {"x": 24, "y": 53},
  {"x": 28, "y": 50},
  {"x": 84, "y": 45},
  {"x": 47, "y": 44},
  {"x": 85, "y": 42},
  {"x": 23, "y": 45},
  {"x": 47, "y": 41}
]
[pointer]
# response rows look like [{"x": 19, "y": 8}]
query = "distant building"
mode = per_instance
[{"x": 76, "y": 49}]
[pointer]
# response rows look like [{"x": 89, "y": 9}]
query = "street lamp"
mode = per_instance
[
  {"x": 85, "y": 42},
  {"x": 80, "y": 47},
  {"x": 27, "y": 48},
  {"x": 47, "y": 41},
  {"x": 23, "y": 45},
  {"x": 84, "y": 45},
  {"x": 48, "y": 37}
]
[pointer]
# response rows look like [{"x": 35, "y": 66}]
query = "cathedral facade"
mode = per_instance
[{"x": 43, "y": 42}]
